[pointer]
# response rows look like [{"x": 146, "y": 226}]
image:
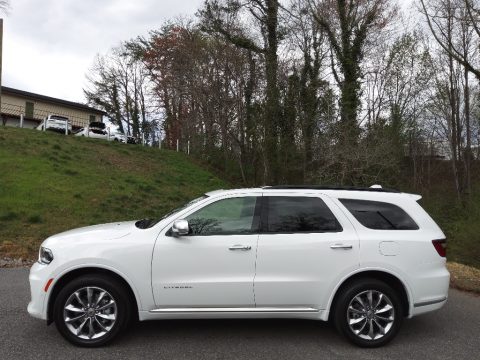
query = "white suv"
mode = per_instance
[{"x": 364, "y": 258}]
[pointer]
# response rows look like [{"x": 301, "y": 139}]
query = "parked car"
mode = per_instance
[
  {"x": 55, "y": 123},
  {"x": 118, "y": 136},
  {"x": 95, "y": 130},
  {"x": 364, "y": 258}
]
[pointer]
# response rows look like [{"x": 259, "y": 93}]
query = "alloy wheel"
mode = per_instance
[
  {"x": 90, "y": 313},
  {"x": 370, "y": 315}
]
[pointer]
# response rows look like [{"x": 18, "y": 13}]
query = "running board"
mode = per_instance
[{"x": 235, "y": 310}]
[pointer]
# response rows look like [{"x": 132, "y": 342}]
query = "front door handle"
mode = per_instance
[
  {"x": 341, "y": 246},
  {"x": 240, "y": 247}
]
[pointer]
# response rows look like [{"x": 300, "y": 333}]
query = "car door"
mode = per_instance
[
  {"x": 214, "y": 265},
  {"x": 306, "y": 246}
]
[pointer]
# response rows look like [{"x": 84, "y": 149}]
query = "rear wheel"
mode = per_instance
[
  {"x": 92, "y": 310},
  {"x": 369, "y": 313}
]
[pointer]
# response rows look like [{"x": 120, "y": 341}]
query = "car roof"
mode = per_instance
[
  {"x": 373, "y": 188},
  {"x": 377, "y": 192}
]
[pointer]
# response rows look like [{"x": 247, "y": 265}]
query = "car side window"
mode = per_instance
[
  {"x": 225, "y": 217},
  {"x": 288, "y": 214},
  {"x": 379, "y": 215}
]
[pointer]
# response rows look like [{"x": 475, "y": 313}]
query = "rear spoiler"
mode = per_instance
[{"x": 415, "y": 197}]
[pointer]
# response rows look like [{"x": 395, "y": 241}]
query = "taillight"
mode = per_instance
[{"x": 440, "y": 246}]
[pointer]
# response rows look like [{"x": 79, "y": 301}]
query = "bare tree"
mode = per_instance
[
  {"x": 117, "y": 82},
  {"x": 224, "y": 17},
  {"x": 462, "y": 11},
  {"x": 454, "y": 26}
]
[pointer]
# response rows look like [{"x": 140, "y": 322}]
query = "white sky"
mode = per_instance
[{"x": 49, "y": 45}]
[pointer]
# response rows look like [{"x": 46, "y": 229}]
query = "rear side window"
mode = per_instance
[
  {"x": 379, "y": 215},
  {"x": 285, "y": 214}
]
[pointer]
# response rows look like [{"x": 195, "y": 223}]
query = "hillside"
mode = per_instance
[{"x": 50, "y": 183}]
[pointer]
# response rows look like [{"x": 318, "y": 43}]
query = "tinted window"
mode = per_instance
[
  {"x": 287, "y": 214},
  {"x": 228, "y": 216},
  {"x": 56, "y": 117},
  {"x": 379, "y": 215}
]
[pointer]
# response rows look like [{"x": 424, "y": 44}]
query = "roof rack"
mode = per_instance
[{"x": 374, "y": 188}]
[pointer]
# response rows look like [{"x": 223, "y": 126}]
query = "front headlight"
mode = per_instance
[{"x": 45, "y": 256}]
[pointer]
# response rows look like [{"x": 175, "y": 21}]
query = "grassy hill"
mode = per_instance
[{"x": 50, "y": 183}]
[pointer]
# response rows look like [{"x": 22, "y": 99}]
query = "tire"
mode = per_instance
[
  {"x": 362, "y": 325},
  {"x": 96, "y": 324}
]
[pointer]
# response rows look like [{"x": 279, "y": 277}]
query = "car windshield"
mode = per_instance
[{"x": 148, "y": 223}]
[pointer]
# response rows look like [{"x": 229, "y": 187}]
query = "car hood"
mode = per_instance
[{"x": 109, "y": 231}]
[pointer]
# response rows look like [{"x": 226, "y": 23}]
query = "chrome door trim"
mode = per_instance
[{"x": 236, "y": 310}]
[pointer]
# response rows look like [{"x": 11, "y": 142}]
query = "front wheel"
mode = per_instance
[
  {"x": 369, "y": 313},
  {"x": 92, "y": 310}
]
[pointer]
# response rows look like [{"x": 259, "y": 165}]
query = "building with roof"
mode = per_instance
[{"x": 34, "y": 108}]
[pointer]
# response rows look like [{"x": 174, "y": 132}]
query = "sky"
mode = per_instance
[{"x": 49, "y": 45}]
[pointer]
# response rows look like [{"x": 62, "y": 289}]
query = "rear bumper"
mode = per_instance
[
  {"x": 432, "y": 305},
  {"x": 431, "y": 291}
]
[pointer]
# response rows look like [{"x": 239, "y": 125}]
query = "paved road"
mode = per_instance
[{"x": 451, "y": 333}]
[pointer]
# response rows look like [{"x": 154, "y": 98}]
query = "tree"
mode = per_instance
[
  {"x": 454, "y": 26},
  {"x": 312, "y": 108},
  {"x": 118, "y": 84},
  {"x": 467, "y": 12},
  {"x": 207, "y": 89},
  {"x": 224, "y": 17},
  {"x": 349, "y": 26}
]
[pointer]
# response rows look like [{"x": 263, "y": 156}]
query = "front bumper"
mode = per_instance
[{"x": 39, "y": 275}]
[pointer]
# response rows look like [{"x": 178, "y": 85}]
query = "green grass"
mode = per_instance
[{"x": 50, "y": 183}]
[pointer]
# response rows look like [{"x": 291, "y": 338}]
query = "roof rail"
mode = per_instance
[{"x": 330, "y": 187}]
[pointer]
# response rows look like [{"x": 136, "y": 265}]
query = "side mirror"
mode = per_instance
[{"x": 180, "y": 228}]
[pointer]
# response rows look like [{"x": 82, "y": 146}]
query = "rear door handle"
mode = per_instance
[
  {"x": 240, "y": 247},
  {"x": 341, "y": 246}
]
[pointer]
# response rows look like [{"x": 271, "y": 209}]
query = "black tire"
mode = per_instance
[
  {"x": 362, "y": 287},
  {"x": 117, "y": 292}
]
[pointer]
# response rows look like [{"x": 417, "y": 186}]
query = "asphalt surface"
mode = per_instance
[{"x": 451, "y": 333}]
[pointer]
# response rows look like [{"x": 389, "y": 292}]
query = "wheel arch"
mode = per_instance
[
  {"x": 77, "y": 272},
  {"x": 390, "y": 279}
]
